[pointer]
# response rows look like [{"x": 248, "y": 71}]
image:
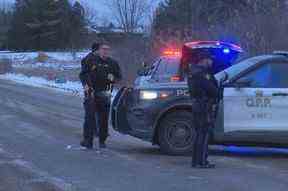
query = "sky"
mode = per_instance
[{"x": 104, "y": 14}]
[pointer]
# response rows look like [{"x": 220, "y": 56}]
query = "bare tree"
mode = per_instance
[
  {"x": 130, "y": 14},
  {"x": 6, "y": 5},
  {"x": 90, "y": 13}
]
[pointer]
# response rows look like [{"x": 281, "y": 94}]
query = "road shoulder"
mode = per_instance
[{"x": 17, "y": 174}]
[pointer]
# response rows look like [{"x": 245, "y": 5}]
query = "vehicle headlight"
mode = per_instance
[{"x": 148, "y": 95}]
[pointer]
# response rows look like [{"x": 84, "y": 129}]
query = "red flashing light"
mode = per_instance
[
  {"x": 172, "y": 53},
  {"x": 175, "y": 78},
  {"x": 237, "y": 47}
]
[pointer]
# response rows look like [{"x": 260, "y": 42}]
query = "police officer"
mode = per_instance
[
  {"x": 203, "y": 88},
  {"x": 98, "y": 73}
]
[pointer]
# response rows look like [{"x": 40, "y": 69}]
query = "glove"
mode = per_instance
[
  {"x": 88, "y": 91},
  {"x": 111, "y": 78}
]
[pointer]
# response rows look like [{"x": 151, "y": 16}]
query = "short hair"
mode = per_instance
[
  {"x": 95, "y": 46},
  {"x": 103, "y": 42}
]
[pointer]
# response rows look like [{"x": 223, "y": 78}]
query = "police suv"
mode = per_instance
[{"x": 252, "y": 110}]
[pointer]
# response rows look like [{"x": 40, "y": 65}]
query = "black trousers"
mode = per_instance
[
  {"x": 201, "y": 138},
  {"x": 97, "y": 106}
]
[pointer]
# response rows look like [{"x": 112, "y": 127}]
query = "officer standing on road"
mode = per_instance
[
  {"x": 203, "y": 88},
  {"x": 98, "y": 74}
]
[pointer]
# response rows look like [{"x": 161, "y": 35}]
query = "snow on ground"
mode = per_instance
[
  {"x": 71, "y": 87},
  {"x": 55, "y": 65},
  {"x": 18, "y": 56},
  {"x": 56, "y": 60},
  {"x": 67, "y": 55},
  {"x": 74, "y": 88},
  {"x": 31, "y": 55}
]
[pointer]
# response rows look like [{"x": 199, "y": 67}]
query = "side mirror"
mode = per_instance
[
  {"x": 141, "y": 72},
  {"x": 242, "y": 83},
  {"x": 144, "y": 65},
  {"x": 224, "y": 78}
]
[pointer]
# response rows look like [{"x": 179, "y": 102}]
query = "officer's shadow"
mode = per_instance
[{"x": 249, "y": 152}]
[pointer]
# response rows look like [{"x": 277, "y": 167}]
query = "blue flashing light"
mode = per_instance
[
  {"x": 226, "y": 51},
  {"x": 255, "y": 151}
]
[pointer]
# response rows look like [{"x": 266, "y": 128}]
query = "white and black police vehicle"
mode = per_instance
[{"x": 252, "y": 110}]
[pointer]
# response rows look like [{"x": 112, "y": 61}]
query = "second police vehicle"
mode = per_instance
[{"x": 252, "y": 109}]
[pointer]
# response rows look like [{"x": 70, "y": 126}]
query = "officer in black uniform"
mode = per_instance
[
  {"x": 98, "y": 73},
  {"x": 203, "y": 88}
]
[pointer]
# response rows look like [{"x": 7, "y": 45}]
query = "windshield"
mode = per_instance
[
  {"x": 240, "y": 67},
  {"x": 167, "y": 68}
]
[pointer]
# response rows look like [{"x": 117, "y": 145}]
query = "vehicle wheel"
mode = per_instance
[{"x": 176, "y": 133}]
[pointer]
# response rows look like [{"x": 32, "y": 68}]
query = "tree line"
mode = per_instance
[
  {"x": 5, "y": 20},
  {"x": 259, "y": 25},
  {"x": 46, "y": 25}
]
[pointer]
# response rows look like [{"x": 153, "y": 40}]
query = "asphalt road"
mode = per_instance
[{"x": 38, "y": 125}]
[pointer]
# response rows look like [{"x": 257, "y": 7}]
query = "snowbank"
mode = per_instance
[
  {"x": 51, "y": 65},
  {"x": 56, "y": 60},
  {"x": 74, "y": 88},
  {"x": 71, "y": 87},
  {"x": 21, "y": 56}
]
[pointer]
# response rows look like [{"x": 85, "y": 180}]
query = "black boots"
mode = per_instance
[
  {"x": 86, "y": 145},
  {"x": 206, "y": 165},
  {"x": 102, "y": 146}
]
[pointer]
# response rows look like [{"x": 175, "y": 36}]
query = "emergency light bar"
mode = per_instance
[
  {"x": 227, "y": 47},
  {"x": 224, "y": 54},
  {"x": 283, "y": 53},
  {"x": 172, "y": 53},
  {"x": 226, "y": 51}
]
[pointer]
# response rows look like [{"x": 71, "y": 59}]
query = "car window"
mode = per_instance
[
  {"x": 268, "y": 75},
  {"x": 258, "y": 77},
  {"x": 279, "y": 77},
  {"x": 234, "y": 70},
  {"x": 166, "y": 68},
  {"x": 153, "y": 67}
]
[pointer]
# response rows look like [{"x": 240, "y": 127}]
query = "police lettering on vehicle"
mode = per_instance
[
  {"x": 264, "y": 102},
  {"x": 182, "y": 92},
  {"x": 262, "y": 116},
  {"x": 259, "y": 101}
]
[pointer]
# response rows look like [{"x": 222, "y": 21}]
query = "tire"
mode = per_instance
[{"x": 176, "y": 133}]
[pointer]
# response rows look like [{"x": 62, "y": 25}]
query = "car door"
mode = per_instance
[
  {"x": 126, "y": 100},
  {"x": 257, "y": 101},
  {"x": 129, "y": 113},
  {"x": 141, "y": 112}
]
